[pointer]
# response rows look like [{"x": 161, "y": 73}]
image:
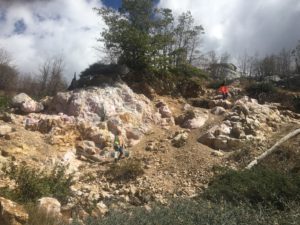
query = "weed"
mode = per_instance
[
  {"x": 32, "y": 184},
  {"x": 190, "y": 212},
  {"x": 257, "y": 186},
  {"x": 125, "y": 170}
]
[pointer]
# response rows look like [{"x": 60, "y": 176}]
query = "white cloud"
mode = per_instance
[
  {"x": 263, "y": 26},
  {"x": 57, "y": 27}
]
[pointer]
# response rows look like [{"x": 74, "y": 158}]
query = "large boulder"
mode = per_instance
[
  {"x": 19, "y": 99},
  {"x": 117, "y": 105},
  {"x": 26, "y": 104},
  {"x": 11, "y": 213},
  {"x": 248, "y": 120},
  {"x": 192, "y": 119},
  {"x": 31, "y": 106}
]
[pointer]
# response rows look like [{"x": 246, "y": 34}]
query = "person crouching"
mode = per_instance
[
  {"x": 118, "y": 145},
  {"x": 224, "y": 91}
]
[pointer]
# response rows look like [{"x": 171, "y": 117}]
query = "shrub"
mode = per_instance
[
  {"x": 242, "y": 156},
  {"x": 32, "y": 184},
  {"x": 4, "y": 103},
  {"x": 188, "y": 70},
  {"x": 125, "y": 170},
  {"x": 257, "y": 186},
  {"x": 296, "y": 102},
  {"x": 215, "y": 84},
  {"x": 190, "y": 212},
  {"x": 255, "y": 89}
]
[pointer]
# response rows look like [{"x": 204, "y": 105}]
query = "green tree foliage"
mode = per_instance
[
  {"x": 146, "y": 38},
  {"x": 296, "y": 54},
  {"x": 8, "y": 73}
]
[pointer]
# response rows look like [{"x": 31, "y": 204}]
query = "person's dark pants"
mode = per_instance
[
  {"x": 225, "y": 95},
  {"x": 120, "y": 150}
]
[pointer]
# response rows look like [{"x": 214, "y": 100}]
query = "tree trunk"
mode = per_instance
[{"x": 269, "y": 151}]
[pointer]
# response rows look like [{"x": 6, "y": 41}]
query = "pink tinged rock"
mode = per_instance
[
  {"x": 86, "y": 147},
  {"x": 134, "y": 134},
  {"x": 31, "y": 106},
  {"x": 165, "y": 112},
  {"x": 50, "y": 205},
  {"x": 12, "y": 213}
]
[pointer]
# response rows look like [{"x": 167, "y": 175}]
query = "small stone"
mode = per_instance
[
  {"x": 217, "y": 153},
  {"x": 5, "y": 129}
]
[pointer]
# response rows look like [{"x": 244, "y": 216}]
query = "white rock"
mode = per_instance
[
  {"x": 31, "y": 106},
  {"x": 50, "y": 206},
  {"x": 218, "y": 110},
  {"x": 19, "y": 99},
  {"x": 5, "y": 129}
]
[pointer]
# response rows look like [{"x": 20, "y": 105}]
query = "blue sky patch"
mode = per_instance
[
  {"x": 20, "y": 27},
  {"x": 116, "y": 4}
]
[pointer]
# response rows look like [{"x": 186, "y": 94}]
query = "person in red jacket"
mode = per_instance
[{"x": 224, "y": 90}]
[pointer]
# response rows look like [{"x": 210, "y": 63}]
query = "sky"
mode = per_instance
[{"x": 33, "y": 31}]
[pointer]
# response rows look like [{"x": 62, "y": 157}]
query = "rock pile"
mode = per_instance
[{"x": 247, "y": 120}]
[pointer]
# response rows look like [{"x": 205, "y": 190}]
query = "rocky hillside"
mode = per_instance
[{"x": 173, "y": 145}]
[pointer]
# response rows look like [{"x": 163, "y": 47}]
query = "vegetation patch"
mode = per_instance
[
  {"x": 125, "y": 170},
  {"x": 4, "y": 103},
  {"x": 190, "y": 212},
  {"x": 32, "y": 184},
  {"x": 256, "y": 186},
  {"x": 256, "y": 89}
]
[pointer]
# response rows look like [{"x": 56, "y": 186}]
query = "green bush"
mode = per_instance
[
  {"x": 32, "y": 184},
  {"x": 215, "y": 84},
  {"x": 125, "y": 170},
  {"x": 257, "y": 186},
  {"x": 4, "y": 103},
  {"x": 255, "y": 89},
  {"x": 188, "y": 70},
  {"x": 190, "y": 212},
  {"x": 297, "y": 104}
]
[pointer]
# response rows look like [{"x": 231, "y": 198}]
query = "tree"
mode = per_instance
[
  {"x": 29, "y": 84},
  {"x": 5, "y": 58},
  {"x": 8, "y": 73},
  {"x": 296, "y": 55},
  {"x": 56, "y": 81},
  {"x": 187, "y": 39},
  {"x": 127, "y": 36},
  {"x": 8, "y": 77},
  {"x": 245, "y": 64},
  {"x": 44, "y": 76},
  {"x": 145, "y": 38}
]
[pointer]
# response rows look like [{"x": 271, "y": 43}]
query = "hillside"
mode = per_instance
[{"x": 174, "y": 145}]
